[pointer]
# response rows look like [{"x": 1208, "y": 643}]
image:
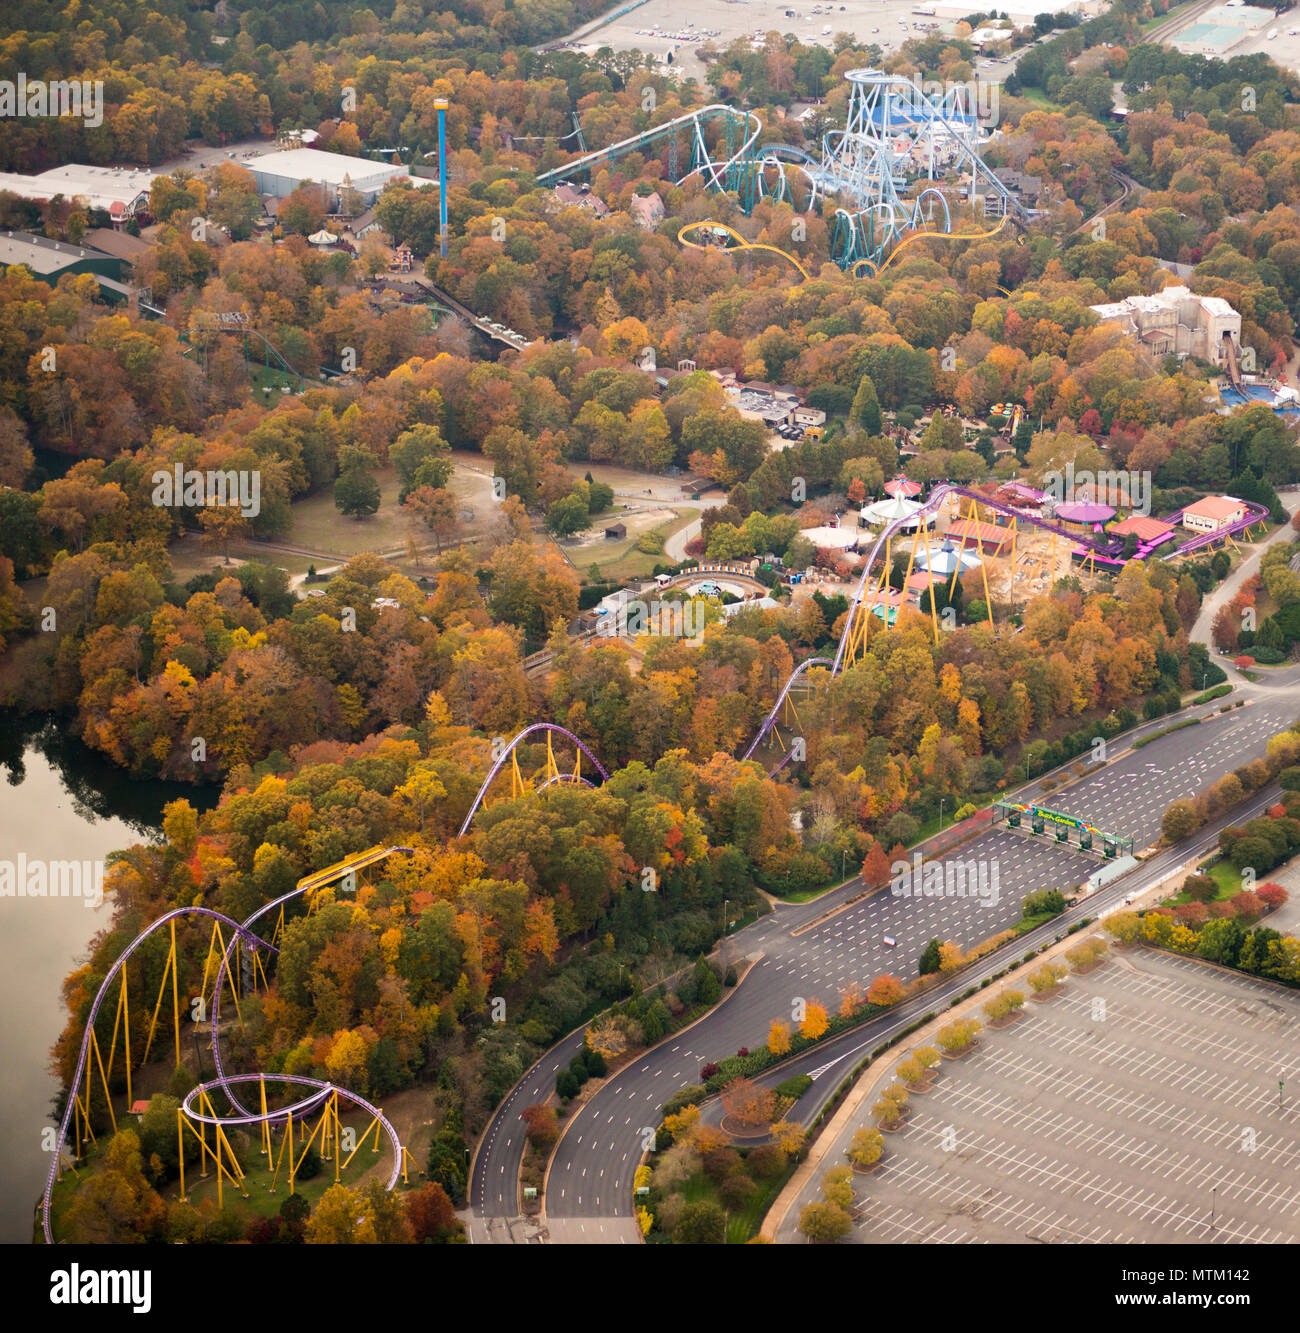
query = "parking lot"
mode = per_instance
[
  {"x": 663, "y": 25},
  {"x": 1140, "y": 1105}
]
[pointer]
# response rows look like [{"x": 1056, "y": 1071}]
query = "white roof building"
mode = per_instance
[
  {"x": 1178, "y": 321},
  {"x": 119, "y": 191},
  {"x": 281, "y": 173}
]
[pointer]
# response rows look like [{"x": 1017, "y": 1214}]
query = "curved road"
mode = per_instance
[{"x": 589, "y": 1193}]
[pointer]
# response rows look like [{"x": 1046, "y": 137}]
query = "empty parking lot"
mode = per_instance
[{"x": 1141, "y": 1105}]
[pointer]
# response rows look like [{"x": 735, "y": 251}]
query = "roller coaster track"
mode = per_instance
[
  {"x": 241, "y": 933},
  {"x": 862, "y": 265},
  {"x": 718, "y": 172},
  {"x": 741, "y": 243},
  {"x": 859, "y": 164},
  {"x": 507, "y": 754}
]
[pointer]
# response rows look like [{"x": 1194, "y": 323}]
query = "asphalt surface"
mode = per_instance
[
  {"x": 591, "y": 1172},
  {"x": 1105, "y": 1116}
]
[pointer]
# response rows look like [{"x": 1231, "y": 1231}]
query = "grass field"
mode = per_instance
[
  {"x": 621, "y": 561},
  {"x": 1226, "y": 877},
  {"x": 1160, "y": 19}
]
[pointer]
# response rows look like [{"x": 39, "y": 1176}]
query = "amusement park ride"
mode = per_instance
[
  {"x": 861, "y": 170},
  {"x": 307, "y": 1111}
]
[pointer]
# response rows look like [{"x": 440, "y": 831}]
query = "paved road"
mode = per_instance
[
  {"x": 1228, "y": 589},
  {"x": 591, "y": 1174}
]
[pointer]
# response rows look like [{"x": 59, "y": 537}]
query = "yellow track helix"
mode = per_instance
[
  {"x": 741, "y": 243},
  {"x": 865, "y": 268}
]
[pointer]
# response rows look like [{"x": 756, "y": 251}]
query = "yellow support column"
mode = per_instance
[
  {"x": 266, "y": 1124},
  {"x": 961, "y": 551},
  {"x": 176, "y": 1004},
  {"x": 1015, "y": 532},
  {"x": 984, "y": 574},
  {"x": 180, "y": 1144},
  {"x": 99, "y": 1060}
]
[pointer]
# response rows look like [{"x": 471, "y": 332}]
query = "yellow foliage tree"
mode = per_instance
[{"x": 815, "y": 1021}]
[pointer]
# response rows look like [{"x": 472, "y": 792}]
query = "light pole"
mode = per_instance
[
  {"x": 1213, "y": 1191},
  {"x": 843, "y": 853},
  {"x": 941, "y": 800},
  {"x": 724, "y": 939}
]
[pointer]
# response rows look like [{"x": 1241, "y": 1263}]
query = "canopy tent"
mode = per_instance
[{"x": 889, "y": 511}]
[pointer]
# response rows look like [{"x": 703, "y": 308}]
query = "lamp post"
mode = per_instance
[{"x": 941, "y": 801}]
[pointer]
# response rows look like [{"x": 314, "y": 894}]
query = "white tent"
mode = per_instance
[
  {"x": 323, "y": 237},
  {"x": 945, "y": 559},
  {"x": 888, "y": 511}
]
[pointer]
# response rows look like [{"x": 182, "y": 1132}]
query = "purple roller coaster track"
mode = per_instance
[
  {"x": 241, "y": 933},
  {"x": 509, "y": 750}
]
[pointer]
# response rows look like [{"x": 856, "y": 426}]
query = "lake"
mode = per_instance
[{"x": 59, "y": 802}]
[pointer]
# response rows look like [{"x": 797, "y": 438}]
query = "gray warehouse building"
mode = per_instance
[{"x": 281, "y": 173}]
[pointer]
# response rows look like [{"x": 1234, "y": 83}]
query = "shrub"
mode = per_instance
[
  {"x": 824, "y": 1222},
  {"x": 702, "y": 1223},
  {"x": 1046, "y": 978},
  {"x": 767, "y": 1161},
  {"x": 736, "y": 1191},
  {"x": 866, "y": 1147},
  {"x": 721, "y": 1163},
  {"x": 691, "y": 1095},
  {"x": 794, "y": 1087}
]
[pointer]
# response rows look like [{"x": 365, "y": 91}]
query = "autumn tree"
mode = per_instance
[
  {"x": 748, "y": 1102},
  {"x": 815, "y": 1021},
  {"x": 824, "y": 1222},
  {"x": 543, "y": 1126},
  {"x": 431, "y": 1214},
  {"x": 865, "y": 1148},
  {"x": 885, "y": 990}
]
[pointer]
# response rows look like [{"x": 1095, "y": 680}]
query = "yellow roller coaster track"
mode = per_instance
[
  {"x": 741, "y": 243},
  {"x": 865, "y": 268}
]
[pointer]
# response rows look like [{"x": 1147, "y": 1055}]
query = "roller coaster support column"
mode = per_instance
[
  {"x": 934, "y": 615},
  {"x": 984, "y": 574},
  {"x": 440, "y": 105},
  {"x": 1015, "y": 532},
  {"x": 123, "y": 1017},
  {"x": 176, "y": 1008},
  {"x": 961, "y": 551}
]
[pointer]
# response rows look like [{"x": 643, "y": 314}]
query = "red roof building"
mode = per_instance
[
  {"x": 1143, "y": 527},
  {"x": 991, "y": 537}
]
